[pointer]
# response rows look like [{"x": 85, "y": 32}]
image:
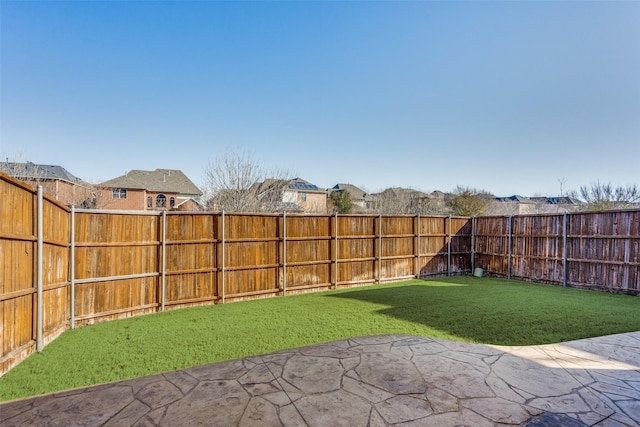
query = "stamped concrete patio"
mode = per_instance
[{"x": 390, "y": 380}]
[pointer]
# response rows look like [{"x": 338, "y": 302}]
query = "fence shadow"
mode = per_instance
[
  {"x": 437, "y": 305},
  {"x": 468, "y": 309},
  {"x": 447, "y": 254}
]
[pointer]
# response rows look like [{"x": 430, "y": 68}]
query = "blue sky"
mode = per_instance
[{"x": 510, "y": 97}]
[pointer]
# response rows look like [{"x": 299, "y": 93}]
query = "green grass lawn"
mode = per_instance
[{"x": 482, "y": 310}]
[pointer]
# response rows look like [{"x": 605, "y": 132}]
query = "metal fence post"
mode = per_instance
[
  {"x": 419, "y": 265},
  {"x": 565, "y": 255},
  {"x": 449, "y": 248},
  {"x": 473, "y": 244},
  {"x": 509, "y": 240},
  {"x": 284, "y": 253},
  {"x": 72, "y": 268},
  {"x": 379, "y": 247},
  {"x": 164, "y": 257},
  {"x": 336, "y": 250},
  {"x": 222, "y": 260},
  {"x": 214, "y": 255},
  {"x": 39, "y": 250}
]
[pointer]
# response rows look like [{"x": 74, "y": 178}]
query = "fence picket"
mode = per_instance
[{"x": 104, "y": 265}]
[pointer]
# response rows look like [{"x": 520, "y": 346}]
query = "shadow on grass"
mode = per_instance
[{"x": 496, "y": 311}]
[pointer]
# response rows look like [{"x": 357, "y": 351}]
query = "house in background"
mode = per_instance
[
  {"x": 55, "y": 180},
  {"x": 272, "y": 195},
  {"x": 161, "y": 189},
  {"x": 309, "y": 197},
  {"x": 360, "y": 199},
  {"x": 398, "y": 200},
  {"x": 520, "y": 205},
  {"x": 295, "y": 195},
  {"x": 269, "y": 195}
]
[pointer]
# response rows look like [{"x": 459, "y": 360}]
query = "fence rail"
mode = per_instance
[
  {"x": 595, "y": 250},
  {"x": 34, "y": 260},
  {"x": 61, "y": 267}
]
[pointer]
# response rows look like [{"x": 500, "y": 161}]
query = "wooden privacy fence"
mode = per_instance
[
  {"x": 595, "y": 250},
  {"x": 129, "y": 263},
  {"x": 60, "y": 268},
  {"x": 34, "y": 264}
]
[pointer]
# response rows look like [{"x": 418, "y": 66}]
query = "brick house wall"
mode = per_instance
[
  {"x": 312, "y": 202},
  {"x": 188, "y": 205},
  {"x": 170, "y": 200},
  {"x": 135, "y": 199},
  {"x": 65, "y": 192},
  {"x": 157, "y": 190}
]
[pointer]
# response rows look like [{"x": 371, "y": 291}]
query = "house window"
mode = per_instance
[
  {"x": 304, "y": 197},
  {"x": 119, "y": 193},
  {"x": 149, "y": 202},
  {"x": 172, "y": 202},
  {"x": 161, "y": 201}
]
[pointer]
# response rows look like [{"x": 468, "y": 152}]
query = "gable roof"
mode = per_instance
[
  {"x": 299, "y": 184},
  {"x": 355, "y": 192},
  {"x": 557, "y": 200},
  {"x": 159, "y": 180},
  {"x": 514, "y": 198},
  {"x": 30, "y": 170},
  {"x": 399, "y": 192},
  {"x": 268, "y": 184}
]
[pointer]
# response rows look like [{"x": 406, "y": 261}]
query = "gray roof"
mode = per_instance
[
  {"x": 402, "y": 192},
  {"x": 514, "y": 198},
  {"x": 300, "y": 184},
  {"x": 159, "y": 180},
  {"x": 30, "y": 170},
  {"x": 355, "y": 192},
  {"x": 557, "y": 200},
  {"x": 267, "y": 184}
]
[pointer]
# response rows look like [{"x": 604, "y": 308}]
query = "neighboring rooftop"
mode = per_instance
[
  {"x": 399, "y": 192},
  {"x": 355, "y": 192},
  {"x": 160, "y": 180},
  {"x": 557, "y": 200},
  {"x": 301, "y": 184},
  {"x": 30, "y": 170}
]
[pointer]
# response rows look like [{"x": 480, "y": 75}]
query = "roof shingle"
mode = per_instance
[
  {"x": 30, "y": 170},
  {"x": 159, "y": 180}
]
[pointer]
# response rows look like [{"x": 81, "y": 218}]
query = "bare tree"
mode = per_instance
[
  {"x": 394, "y": 201},
  {"x": 467, "y": 201},
  {"x": 406, "y": 201},
  {"x": 599, "y": 196},
  {"x": 237, "y": 182},
  {"x": 562, "y": 181}
]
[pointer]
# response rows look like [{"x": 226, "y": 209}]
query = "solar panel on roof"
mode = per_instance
[{"x": 303, "y": 186}]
